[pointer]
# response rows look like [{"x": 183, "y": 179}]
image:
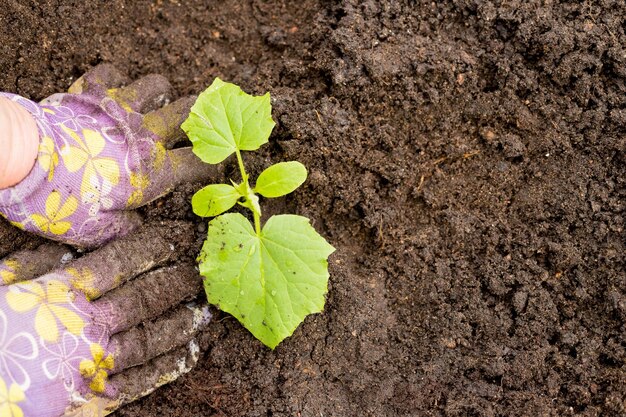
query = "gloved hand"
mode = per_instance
[
  {"x": 70, "y": 340},
  {"x": 103, "y": 151}
]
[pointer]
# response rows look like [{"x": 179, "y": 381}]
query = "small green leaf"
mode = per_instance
[
  {"x": 271, "y": 282},
  {"x": 214, "y": 199},
  {"x": 224, "y": 119},
  {"x": 280, "y": 179}
]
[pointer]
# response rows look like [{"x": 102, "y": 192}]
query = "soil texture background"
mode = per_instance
[{"x": 467, "y": 158}]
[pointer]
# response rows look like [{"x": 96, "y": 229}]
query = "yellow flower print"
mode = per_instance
[
  {"x": 140, "y": 182},
  {"x": 51, "y": 304},
  {"x": 96, "y": 369},
  {"x": 53, "y": 221},
  {"x": 87, "y": 155},
  {"x": 84, "y": 281},
  {"x": 48, "y": 157},
  {"x": 9, "y": 397},
  {"x": 7, "y": 271}
]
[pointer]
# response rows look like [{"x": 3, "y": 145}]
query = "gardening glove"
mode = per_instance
[
  {"x": 103, "y": 151},
  {"x": 100, "y": 331}
]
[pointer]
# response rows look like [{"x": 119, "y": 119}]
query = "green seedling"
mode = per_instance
[{"x": 271, "y": 276}]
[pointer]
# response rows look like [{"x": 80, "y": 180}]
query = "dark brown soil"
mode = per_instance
[{"x": 467, "y": 159}]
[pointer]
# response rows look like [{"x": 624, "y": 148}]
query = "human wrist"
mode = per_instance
[{"x": 19, "y": 143}]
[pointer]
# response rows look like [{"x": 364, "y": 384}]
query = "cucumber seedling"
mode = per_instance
[{"x": 269, "y": 276}]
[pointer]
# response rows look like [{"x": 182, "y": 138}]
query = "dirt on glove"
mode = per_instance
[{"x": 467, "y": 159}]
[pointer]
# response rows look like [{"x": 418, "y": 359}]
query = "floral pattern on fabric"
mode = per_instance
[
  {"x": 57, "y": 211},
  {"x": 48, "y": 158},
  {"x": 61, "y": 361},
  {"x": 54, "y": 346},
  {"x": 10, "y": 397},
  {"x": 15, "y": 350},
  {"x": 96, "y": 160},
  {"x": 50, "y": 303},
  {"x": 97, "y": 369},
  {"x": 86, "y": 157}
]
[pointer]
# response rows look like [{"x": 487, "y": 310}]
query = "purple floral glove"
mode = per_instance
[
  {"x": 71, "y": 342},
  {"x": 103, "y": 152}
]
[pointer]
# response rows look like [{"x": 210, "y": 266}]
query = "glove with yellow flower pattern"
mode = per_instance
[
  {"x": 103, "y": 151},
  {"x": 88, "y": 337}
]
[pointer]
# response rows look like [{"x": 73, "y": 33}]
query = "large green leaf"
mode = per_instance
[
  {"x": 224, "y": 119},
  {"x": 280, "y": 179},
  {"x": 214, "y": 199},
  {"x": 271, "y": 282}
]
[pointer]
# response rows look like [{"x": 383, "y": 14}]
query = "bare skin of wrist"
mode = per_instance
[{"x": 19, "y": 143}]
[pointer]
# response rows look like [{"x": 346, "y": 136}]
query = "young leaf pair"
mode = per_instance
[
  {"x": 270, "y": 278},
  {"x": 276, "y": 181}
]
